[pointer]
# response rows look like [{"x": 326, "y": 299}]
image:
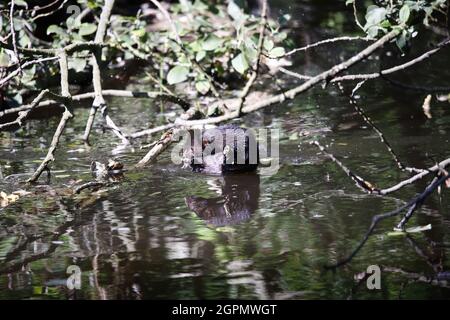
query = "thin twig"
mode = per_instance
[
  {"x": 367, "y": 76},
  {"x": 23, "y": 66},
  {"x": 322, "y": 42},
  {"x": 255, "y": 71},
  {"x": 46, "y": 14},
  {"x": 369, "y": 187},
  {"x": 107, "y": 92},
  {"x": 380, "y": 134},
  {"x": 13, "y": 33},
  {"x": 64, "y": 70},
  {"x": 23, "y": 114},
  {"x": 360, "y": 182},
  {"x": 355, "y": 14}
]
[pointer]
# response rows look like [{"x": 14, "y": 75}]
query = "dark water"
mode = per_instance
[{"x": 254, "y": 236}]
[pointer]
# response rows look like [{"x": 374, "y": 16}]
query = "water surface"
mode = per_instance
[{"x": 141, "y": 240}]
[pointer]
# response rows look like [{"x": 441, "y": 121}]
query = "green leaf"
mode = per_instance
[
  {"x": 21, "y": 3},
  {"x": 140, "y": 33},
  {"x": 374, "y": 16},
  {"x": 78, "y": 64},
  {"x": 4, "y": 59},
  {"x": 277, "y": 52},
  {"x": 401, "y": 40},
  {"x": 177, "y": 74},
  {"x": 200, "y": 55},
  {"x": 87, "y": 29},
  {"x": 212, "y": 43},
  {"x": 202, "y": 86},
  {"x": 24, "y": 40},
  {"x": 404, "y": 14},
  {"x": 240, "y": 63},
  {"x": 56, "y": 30},
  {"x": 268, "y": 45},
  {"x": 235, "y": 12},
  {"x": 73, "y": 23}
]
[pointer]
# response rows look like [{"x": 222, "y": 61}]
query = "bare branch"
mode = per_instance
[
  {"x": 13, "y": 33},
  {"x": 23, "y": 66},
  {"x": 54, "y": 144},
  {"x": 326, "y": 41},
  {"x": 413, "y": 203},
  {"x": 368, "y": 76},
  {"x": 64, "y": 70},
  {"x": 369, "y": 187},
  {"x": 292, "y": 93},
  {"x": 380, "y": 134},
  {"x": 23, "y": 114},
  {"x": 99, "y": 101},
  {"x": 255, "y": 71},
  {"x": 160, "y": 146},
  {"x": 107, "y": 92}
]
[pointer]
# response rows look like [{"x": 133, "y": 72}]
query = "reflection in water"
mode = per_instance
[{"x": 238, "y": 200}]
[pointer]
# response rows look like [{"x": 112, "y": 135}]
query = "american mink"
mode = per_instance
[{"x": 226, "y": 148}]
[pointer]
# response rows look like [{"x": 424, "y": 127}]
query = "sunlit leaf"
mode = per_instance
[
  {"x": 4, "y": 59},
  {"x": 202, "y": 86},
  {"x": 87, "y": 29},
  {"x": 212, "y": 43},
  {"x": 78, "y": 64},
  {"x": 404, "y": 14},
  {"x": 277, "y": 52},
  {"x": 177, "y": 74},
  {"x": 21, "y": 3},
  {"x": 200, "y": 55},
  {"x": 56, "y": 30},
  {"x": 240, "y": 63}
]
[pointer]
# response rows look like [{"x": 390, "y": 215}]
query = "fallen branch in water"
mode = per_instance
[
  {"x": 62, "y": 123},
  {"x": 360, "y": 182},
  {"x": 23, "y": 66},
  {"x": 23, "y": 114},
  {"x": 99, "y": 101},
  {"x": 88, "y": 185},
  {"x": 412, "y": 205},
  {"x": 158, "y": 148},
  {"x": 106, "y": 93},
  {"x": 369, "y": 187},
  {"x": 380, "y": 134}
]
